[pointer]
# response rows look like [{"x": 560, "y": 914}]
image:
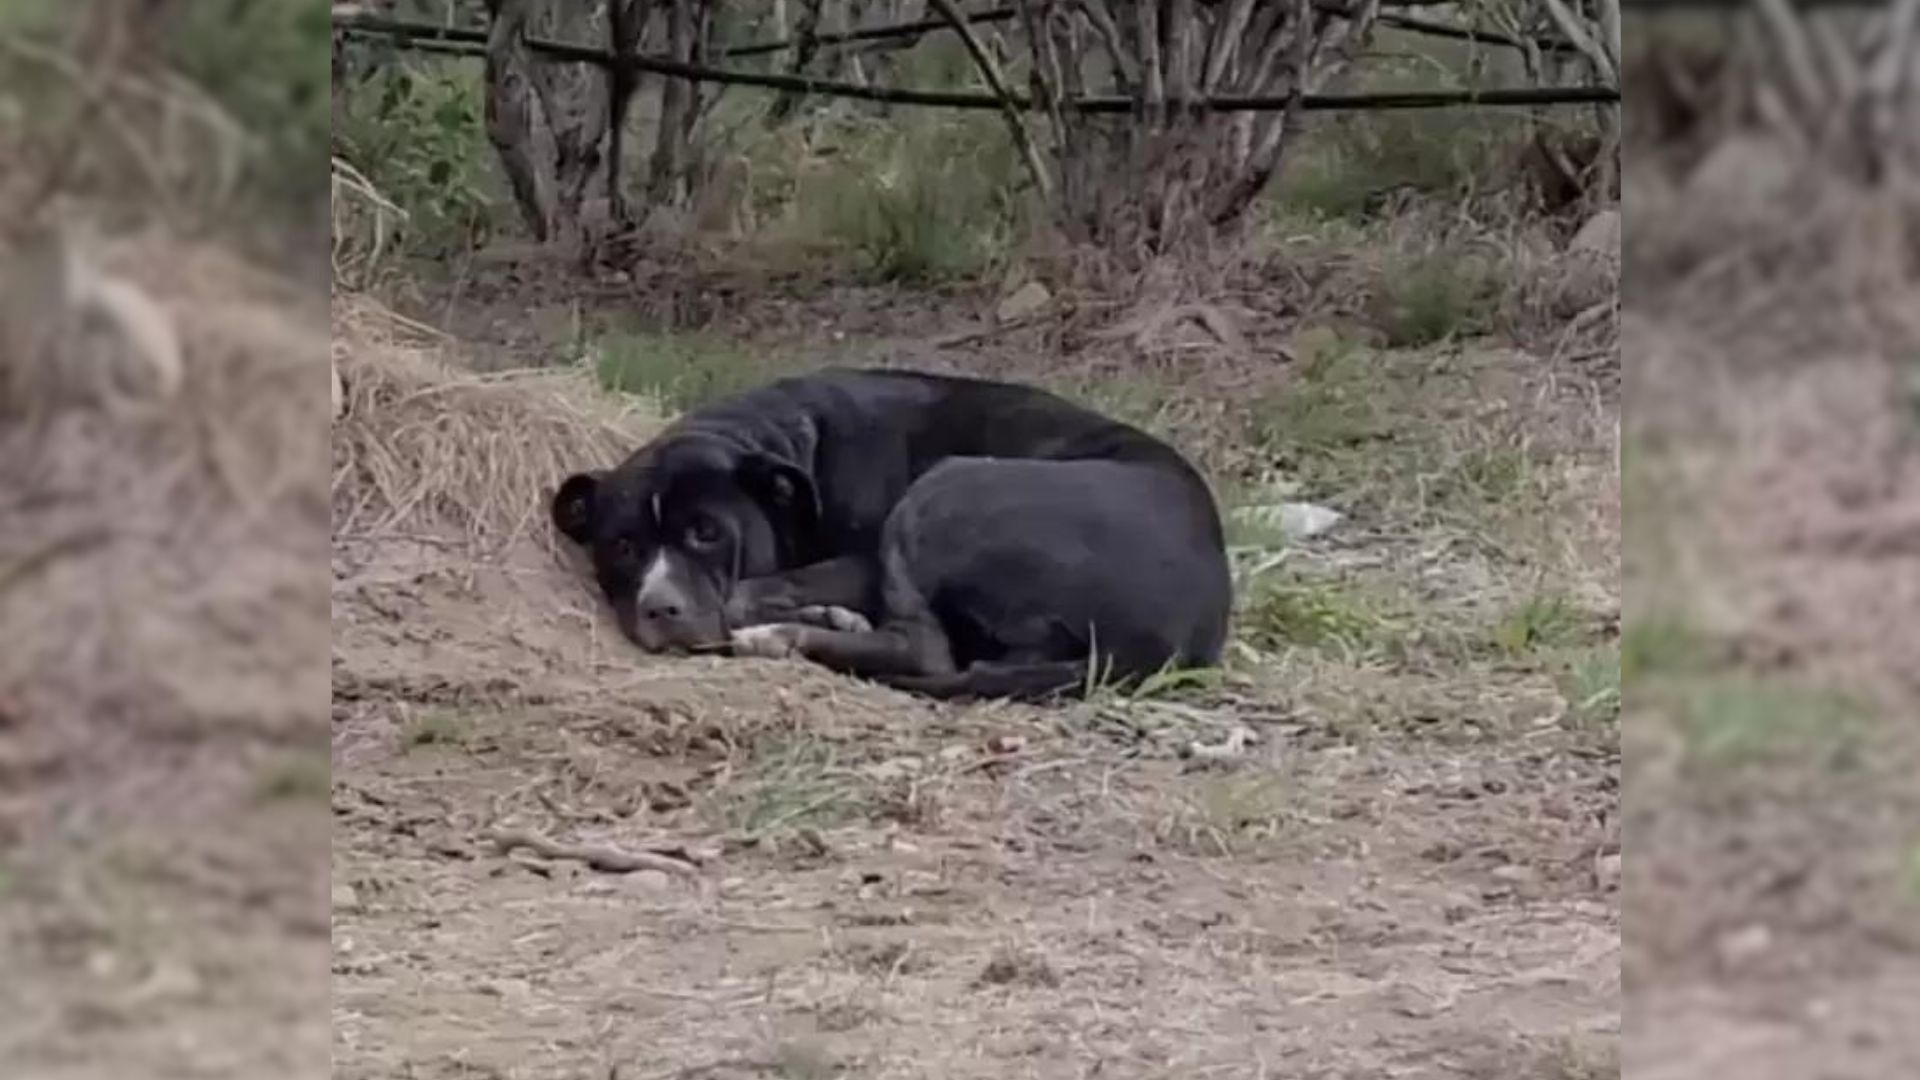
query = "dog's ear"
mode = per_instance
[
  {"x": 574, "y": 509},
  {"x": 782, "y": 487}
]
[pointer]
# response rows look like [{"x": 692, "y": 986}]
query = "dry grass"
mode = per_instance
[{"x": 422, "y": 446}]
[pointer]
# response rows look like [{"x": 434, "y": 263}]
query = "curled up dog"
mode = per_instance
[{"x": 955, "y": 537}]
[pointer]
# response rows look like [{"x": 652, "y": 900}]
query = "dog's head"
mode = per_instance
[{"x": 672, "y": 533}]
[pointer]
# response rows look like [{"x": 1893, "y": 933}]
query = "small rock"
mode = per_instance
[
  {"x": 1742, "y": 946},
  {"x": 1515, "y": 874},
  {"x": 170, "y": 980},
  {"x": 1233, "y": 746},
  {"x": 345, "y": 897},
  {"x": 1606, "y": 872},
  {"x": 1745, "y": 171},
  {"x": 1006, "y": 744},
  {"x": 1293, "y": 520},
  {"x": 1599, "y": 236},
  {"x": 510, "y": 989},
  {"x": 648, "y": 881},
  {"x": 1029, "y": 299}
]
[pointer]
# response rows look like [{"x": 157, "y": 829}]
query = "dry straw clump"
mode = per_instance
[{"x": 423, "y": 447}]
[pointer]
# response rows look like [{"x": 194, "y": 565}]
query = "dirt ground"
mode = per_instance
[
  {"x": 1405, "y": 869},
  {"x": 1773, "y": 899}
]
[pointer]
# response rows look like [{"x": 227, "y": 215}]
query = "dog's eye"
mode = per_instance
[
  {"x": 623, "y": 548},
  {"x": 704, "y": 533}
]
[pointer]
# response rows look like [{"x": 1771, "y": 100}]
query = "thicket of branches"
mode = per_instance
[
  {"x": 1838, "y": 82},
  {"x": 1165, "y": 174}
]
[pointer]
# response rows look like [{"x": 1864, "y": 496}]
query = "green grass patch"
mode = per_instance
[
  {"x": 680, "y": 371},
  {"x": 1333, "y": 405},
  {"x": 921, "y": 199},
  {"x": 1663, "y": 644},
  {"x": 1279, "y": 610},
  {"x": 1345, "y": 170},
  {"x": 1590, "y": 683},
  {"x": 1485, "y": 476},
  {"x": 1737, "y": 718},
  {"x": 1540, "y": 622},
  {"x": 297, "y": 778},
  {"x": 1429, "y": 297},
  {"x": 415, "y": 129},
  {"x": 435, "y": 727},
  {"x": 794, "y": 783},
  {"x": 262, "y": 62},
  {"x": 1341, "y": 166}
]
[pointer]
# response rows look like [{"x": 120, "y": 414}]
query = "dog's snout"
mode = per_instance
[{"x": 663, "y": 610}]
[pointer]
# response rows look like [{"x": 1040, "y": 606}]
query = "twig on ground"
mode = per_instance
[{"x": 607, "y": 860}]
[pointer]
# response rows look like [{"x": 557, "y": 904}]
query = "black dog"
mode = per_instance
[{"x": 1002, "y": 541}]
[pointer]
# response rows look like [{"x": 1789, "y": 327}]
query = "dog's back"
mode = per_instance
[{"x": 866, "y": 434}]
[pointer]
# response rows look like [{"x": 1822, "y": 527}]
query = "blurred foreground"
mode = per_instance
[
  {"x": 163, "y": 523},
  {"x": 1772, "y": 494}
]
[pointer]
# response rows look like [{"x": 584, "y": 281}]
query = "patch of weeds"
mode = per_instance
[
  {"x": 1540, "y": 622},
  {"x": 1278, "y": 611},
  {"x": 1431, "y": 297},
  {"x": 924, "y": 199},
  {"x": 797, "y": 783},
  {"x": 680, "y": 371},
  {"x": 1347, "y": 170},
  {"x": 262, "y": 63},
  {"x": 802, "y": 1060},
  {"x": 297, "y": 778},
  {"x": 1738, "y": 718},
  {"x": 1018, "y": 967},
  {"x": 436, "y": 727},
  {"x": 1331, "y": 406},
  {"x": 1665, "y": 643},
  {"x": 1486, "y": 476},
  {"x": 1221, "y": 815},
  {"x": 414, "y": 130},
  {"x": 1590, "y": 683}
]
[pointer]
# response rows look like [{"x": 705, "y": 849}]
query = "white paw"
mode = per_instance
[
  {"x": 775, "y": 641},
  {"x": 836, "y": 618}
]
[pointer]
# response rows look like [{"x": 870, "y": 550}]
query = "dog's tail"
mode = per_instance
[{"x": 1043, "y": 681}]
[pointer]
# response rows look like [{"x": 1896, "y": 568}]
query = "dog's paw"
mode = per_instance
[
  {"x": 775, "y": 641},
  {"x": 835, "y": 618}
]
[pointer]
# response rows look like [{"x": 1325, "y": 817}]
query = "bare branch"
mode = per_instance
[
  {"x": 1177, "y": 42},
  {"x": 1575, "y": 29},
  {"x": 1225, "y": 46},
  {"x": 1126, "y": 72},
  {"x": 990, "y": 70},
  {"x": 1154, "y": 75},
  {"x": 1781, "y": 22}
]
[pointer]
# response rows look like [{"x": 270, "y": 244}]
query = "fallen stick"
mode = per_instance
[{"x": 604, "y": 859}]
